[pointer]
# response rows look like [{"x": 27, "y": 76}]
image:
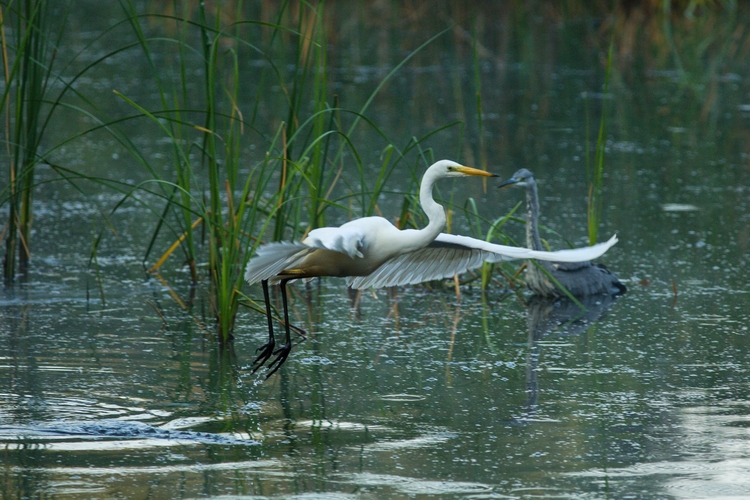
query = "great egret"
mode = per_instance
[
  {"x": 356, "y": 248},
  {"x": 580, "y": 278},
  {"x": 371, "y": 252}
]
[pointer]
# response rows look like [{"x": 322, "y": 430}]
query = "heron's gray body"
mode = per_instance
[{"x": 578, "y": 278}]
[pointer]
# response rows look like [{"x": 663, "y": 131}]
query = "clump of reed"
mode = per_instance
[
  {"x": 217, "y": 188},
  {"x": 212, "y": 183},
  {"x": 27, "y": 65},
  {"x": 36, "y": 87}
]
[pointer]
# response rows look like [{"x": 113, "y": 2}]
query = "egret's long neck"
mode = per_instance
[
  {"x": 532, "y": 217},
  {"x": 435, "y": 212},
  {"x": 413, "y": 239}
]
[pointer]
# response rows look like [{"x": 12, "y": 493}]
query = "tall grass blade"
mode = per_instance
[
  {"x": 596, "y": 174},
  {"x": 478, "y": 97}
]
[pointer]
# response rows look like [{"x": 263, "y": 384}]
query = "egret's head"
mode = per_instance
[
  {"x": 448, "y": 168},
  {"x": 521, "y": 178}
]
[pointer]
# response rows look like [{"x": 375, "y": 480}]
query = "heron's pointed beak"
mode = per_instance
[
  {"x": 509, "y": 182},
  {"x": 475, "y": 171}
]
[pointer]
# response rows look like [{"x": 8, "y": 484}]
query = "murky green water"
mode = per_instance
[{"x": 408, "y": 393}]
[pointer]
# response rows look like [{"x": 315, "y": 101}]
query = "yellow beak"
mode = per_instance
[{"x": 475, "y": 171}]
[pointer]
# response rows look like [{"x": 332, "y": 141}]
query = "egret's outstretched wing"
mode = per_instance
[
  {"x": 577, "y": 254},
  {"x": 451, "y": 254},
  {"x": 272, "y": 258},
  {"x": 436, "y": 261},
  {"x": 504, "y": 252}
]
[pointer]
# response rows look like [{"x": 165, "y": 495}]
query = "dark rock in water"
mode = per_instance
[{"x": 121, "y": 430}]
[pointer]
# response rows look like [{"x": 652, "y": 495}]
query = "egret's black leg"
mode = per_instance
[
  {"x": 284, "y": 349},
  {"x": 267, "y": 349}
]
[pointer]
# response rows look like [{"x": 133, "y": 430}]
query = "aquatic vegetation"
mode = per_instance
[
  {"x": 27, "y": 81},
  {"x": 595, "y": 171},
  {"x": 262, "y": 146}
]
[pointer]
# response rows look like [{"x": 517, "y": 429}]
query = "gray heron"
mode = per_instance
[{"x": 579, "y": 278}]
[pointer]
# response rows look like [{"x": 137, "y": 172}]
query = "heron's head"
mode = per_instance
[
  {"x": 448, "y": 168},
  {"x": 521, "y": 178}
]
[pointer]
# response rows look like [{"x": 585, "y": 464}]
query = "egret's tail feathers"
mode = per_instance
[{"x": 272, "y": 258}]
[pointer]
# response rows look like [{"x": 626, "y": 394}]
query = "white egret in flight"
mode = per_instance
[
  {"x": 372, "y": 252},
  {"x": 579, "y": 278}
]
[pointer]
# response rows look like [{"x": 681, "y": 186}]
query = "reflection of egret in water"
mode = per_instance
[
  {"x": 578, "y": 278},
  {"x": 549, "y": 315}
]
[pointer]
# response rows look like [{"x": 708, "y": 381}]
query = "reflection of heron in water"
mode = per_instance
[
  {"x": 559, "y": 316},
  {"x": 579, "y": 278}
]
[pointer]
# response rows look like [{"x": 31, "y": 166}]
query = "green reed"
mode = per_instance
[
  {"x": 478, "y": 97},
  {"x": 595, "y": 172},
  {"x": 26, "y": 86},
  {"x": 37, "y": 85}
]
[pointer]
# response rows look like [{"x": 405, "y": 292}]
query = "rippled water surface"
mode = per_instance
[{"x": 411, "y": 393}]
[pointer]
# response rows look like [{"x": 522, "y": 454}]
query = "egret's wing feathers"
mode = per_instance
[
  {"x": 447, "y": 255},
  {"x": 578, "y": 254},
  {"x": 272, "y": 258},
  {"x": 451, "y": 254},
  {"x": 495, "y": 252},
  {"x": 347, "y": 239},
  {"x": 504, "y": 252},
  {"x": 436, "y": 261}
]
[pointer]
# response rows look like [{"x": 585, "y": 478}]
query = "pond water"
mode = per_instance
[{"x": 411, "y": 393}]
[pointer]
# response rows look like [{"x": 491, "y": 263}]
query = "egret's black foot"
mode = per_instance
[
  {"x": 266, "y": 350},
  {"x": 281, "y": 354}
]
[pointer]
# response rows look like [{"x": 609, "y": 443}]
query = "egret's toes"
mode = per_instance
[
  {"x": 266, "y": 351},
  {"x": 282, "y": 353}
]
